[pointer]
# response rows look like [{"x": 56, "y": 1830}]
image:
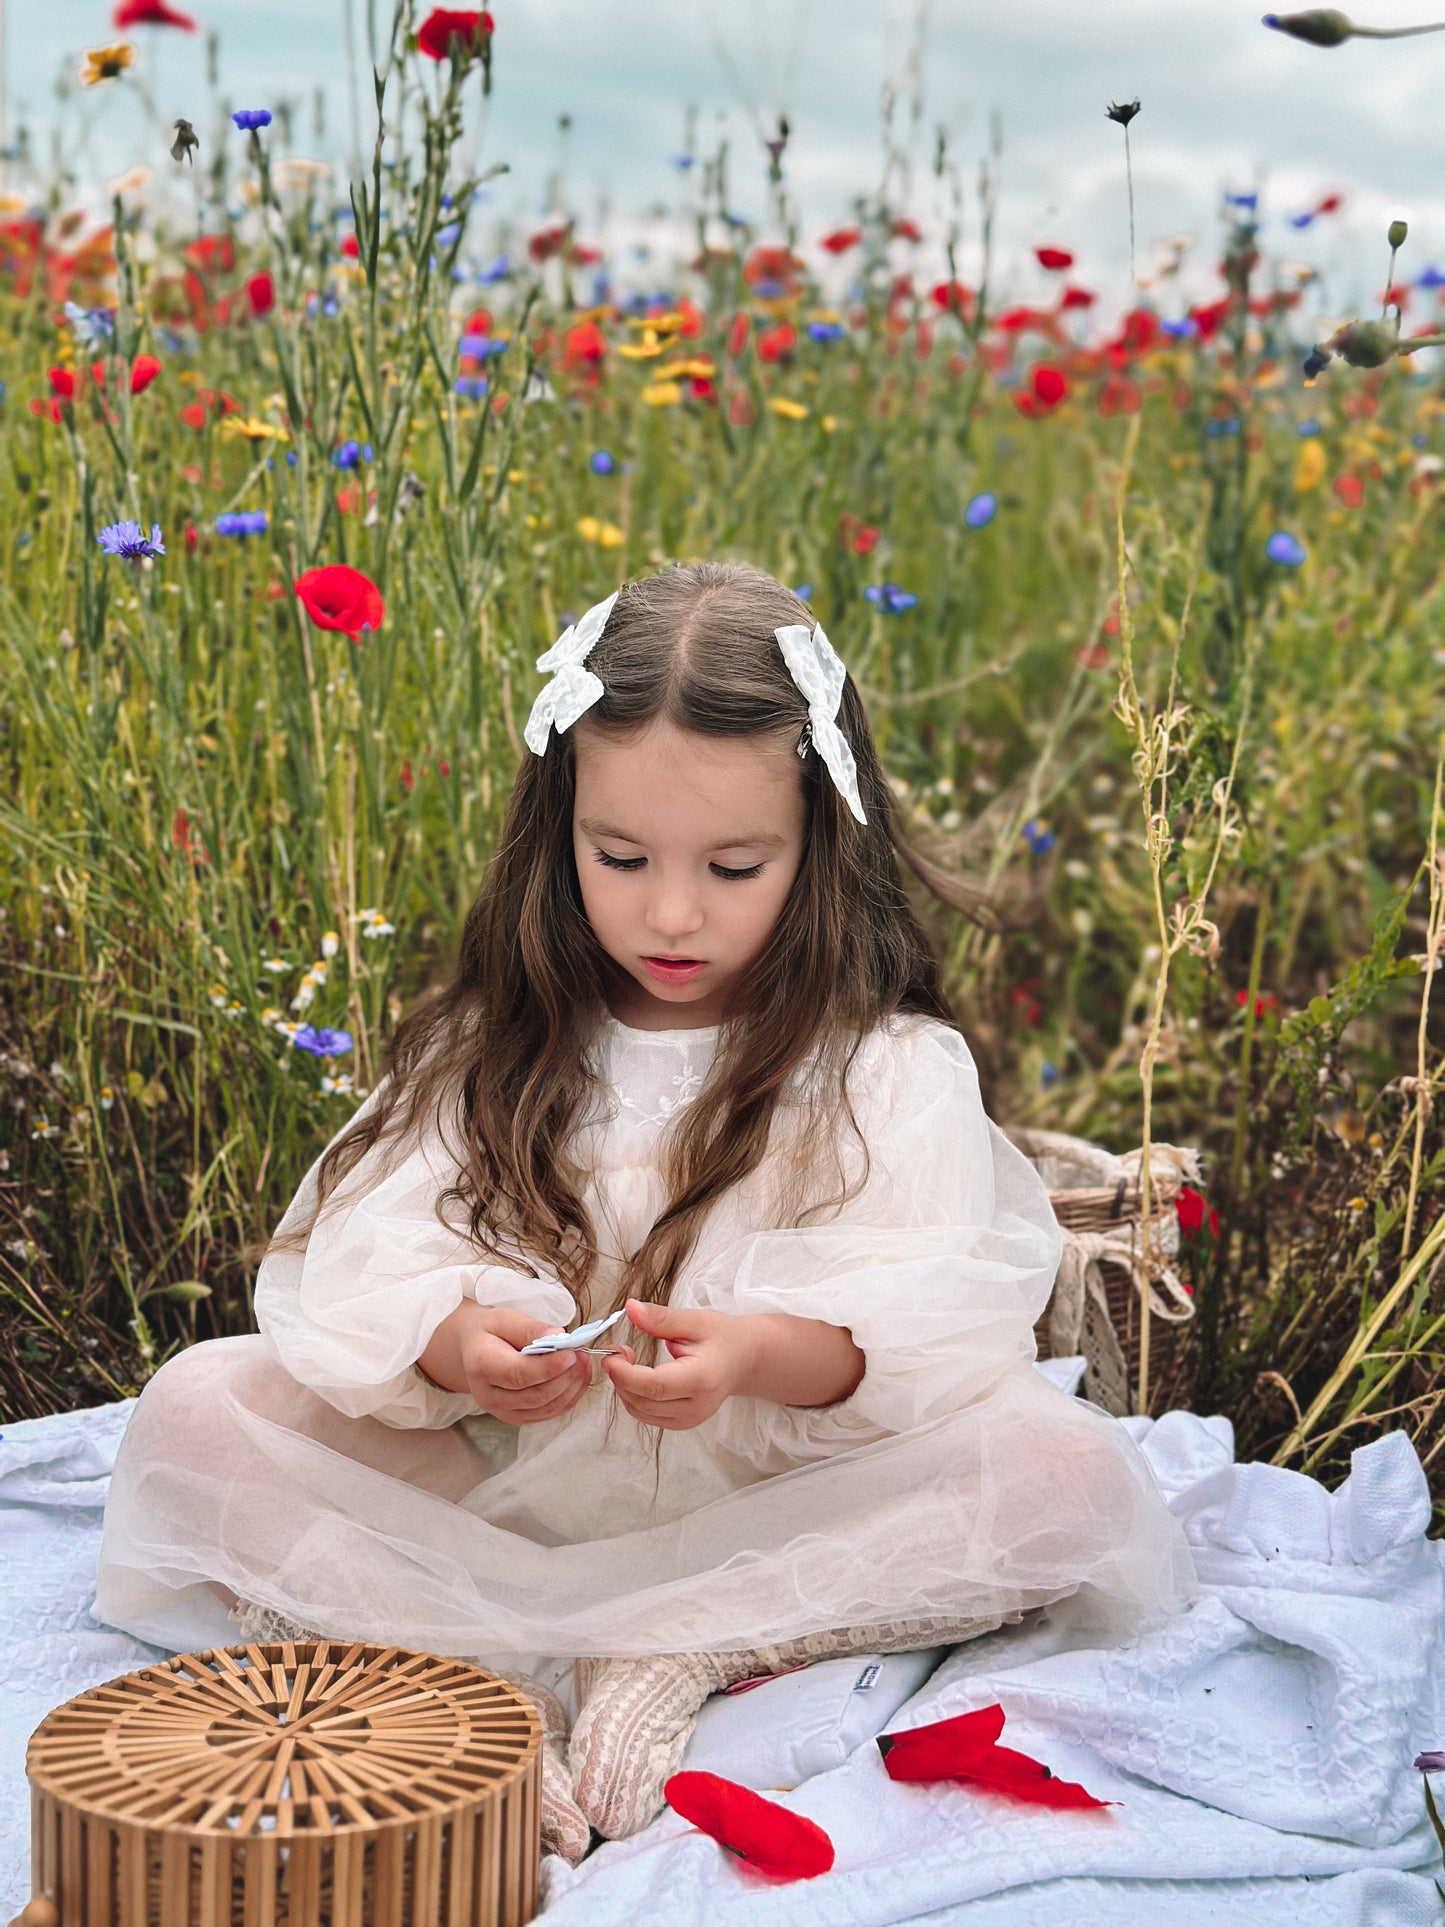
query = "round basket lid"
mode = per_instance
[{"x": 315, "y": 1737}]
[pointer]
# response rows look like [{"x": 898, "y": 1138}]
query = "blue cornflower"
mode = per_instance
[
  {"x": 803, "y": 591},
  {"x": 480, "y": 347},
  {"x": 601, "y": 462},
  {"x": 1249, "y": 201},
  {"x": 1229, "y": 426},
  {"x": 248, "y": 119},
  {"x": 350, "y": 453},
  {"x": 498, "y": 271},
  {"x": 252, "y": 522},
  {"x": 1308, "y": 427},
  {"x": 1039, "y": 836},
  {"x": 91, "y": 325},
  {"x": 471, "y": 387},
  {"x": 446, "y": 235},
  {"x": 890, "y": 597},
  {"x": 322, "y": 1043},
  {"x": 1430, "y": 277},
  {"x": 1285, "y": 549},
  {"x": 769, "y": 290},
  {"x": 330, "y": 305},
  {"x": 1301, "y": 220},
  {"x": 827, "y": 330},
  {"x": 682, "y": 162},
  {"x": 1180, "y": 330},
  {"x": 980, "y": 510},
  {"x": 128, "y": 540},
  {"x": 1049, "y": 1074},
  {"x": 447, "y": 201}
]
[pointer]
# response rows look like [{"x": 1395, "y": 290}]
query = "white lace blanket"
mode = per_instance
[{"x": 1261, "y": 1743}]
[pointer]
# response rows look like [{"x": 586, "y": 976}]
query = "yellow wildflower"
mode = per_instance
[
  {"x": 253, "y": 430},
  {"x": 106, "y": 63},
  {"x": 793, "y": 411},
  {"x": 589, "y": 528},
  {"x": 645, "y": 350},
  {"x": 1311, "y": 466},
  {"x": 702, "y": 366},
  {"x": 830, "y": 422},
  {"x": 609, "y": 536},
  {"x": 660, "y": 394}
]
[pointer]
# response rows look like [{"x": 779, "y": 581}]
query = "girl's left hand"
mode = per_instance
[{"x": 711, "y": 1352}]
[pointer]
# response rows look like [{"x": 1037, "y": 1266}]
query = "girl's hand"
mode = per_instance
[
  {"x": 520, "y": 1391},
  {"x": 711, "y": 1356}
]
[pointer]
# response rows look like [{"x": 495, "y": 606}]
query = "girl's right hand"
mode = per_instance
[{"x": 517, "y": 1390}]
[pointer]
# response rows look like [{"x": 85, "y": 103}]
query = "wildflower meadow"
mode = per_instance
[{"x": 1146, "y": 603}]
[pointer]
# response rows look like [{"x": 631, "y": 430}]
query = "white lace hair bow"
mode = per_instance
[
  {"x": 813, "y": 663},
  {"x": 818, "y": 670},
  {"x": 573, "y": 688}
]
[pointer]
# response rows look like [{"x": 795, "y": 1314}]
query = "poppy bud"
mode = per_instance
[
  {"x": 1320, "y": 26},
  {"x": 1396, "y": 234},
  {"x": 1366, "y": 344}
]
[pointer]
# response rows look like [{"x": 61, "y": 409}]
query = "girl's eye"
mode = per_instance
[{"x": 633, "y": 862}]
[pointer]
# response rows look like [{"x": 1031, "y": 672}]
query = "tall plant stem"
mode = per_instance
[
  {"x": 1434, "y": 945},
  {"x": 1129, "y": 176}
]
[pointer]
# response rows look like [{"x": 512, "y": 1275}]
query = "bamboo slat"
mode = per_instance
[{"x": 288, "y": 1784}]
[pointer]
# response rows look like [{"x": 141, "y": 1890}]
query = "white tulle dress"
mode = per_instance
[{"x": 313, "y": 1469}]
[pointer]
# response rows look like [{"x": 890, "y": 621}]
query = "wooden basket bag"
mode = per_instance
[
  {"x": 290, "y": 1784},
  {"x": 1095, "y": 1305}
]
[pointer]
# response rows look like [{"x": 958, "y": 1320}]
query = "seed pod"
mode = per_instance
[
  {"x": 1366, "y": 344},
  {"x": 1320, "y": 26},
  {"x": 1397, "y": 232}
]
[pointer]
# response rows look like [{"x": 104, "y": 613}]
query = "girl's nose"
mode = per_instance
[{"x": 675, "y": 912}]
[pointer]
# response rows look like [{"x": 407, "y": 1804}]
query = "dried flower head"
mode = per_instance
[
  {"x": 1320, "y": 26},
  {"x": 1122, "y": 114}
]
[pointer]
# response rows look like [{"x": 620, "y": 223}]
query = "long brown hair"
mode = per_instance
[{"x": 505, "y": 1039}]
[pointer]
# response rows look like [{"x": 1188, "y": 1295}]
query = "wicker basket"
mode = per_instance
[
  {"x": 1096, "y": 1306},
  {"x": 315, "y": 1784}
]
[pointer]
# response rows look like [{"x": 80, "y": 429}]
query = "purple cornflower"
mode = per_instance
[
  {"x": 128, "y": 541},
  {"x": 1038, "y": 836},
  {"x": 471, "y": 387},
  {"x": 981, "y": 509},
  {"x": 601, "y": 462},
  {"x": 350, "y": 453},
  {"x": 890, "y": 597},
  {"x": 1286, "y": 549},
  {"x": 478, "y": 347},
  {"x": 251, "y": 523},
  {"x": 248, "y": 119},
  {"x": 826, "y": 330},
  {"x": 322, "y": 1043}
]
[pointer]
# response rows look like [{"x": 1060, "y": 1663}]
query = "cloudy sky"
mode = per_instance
[{"x": 1226, "y": 105}]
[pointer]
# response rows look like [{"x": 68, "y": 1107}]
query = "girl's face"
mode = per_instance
[{"x": 686, "y": 846}]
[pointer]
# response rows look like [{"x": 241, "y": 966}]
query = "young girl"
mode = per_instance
[{"x": 695, "y": 1064}]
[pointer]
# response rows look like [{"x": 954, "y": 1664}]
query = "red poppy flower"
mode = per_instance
[
  {"x": 1189, "y": 1208},
  {"x": 1118, "y": 396},
  {"x": 1048, "y": 386},
  {"x": 1210, "y": 318},
  {"x": 583, "y": 257},
  {"x": 1077, "y": 297},
  {"x": 953, "y": 297},
  {"x": 212, "y": 252},
  {"x": 777, "y": 344},
  {"x": 444, "y": 24},
  {"x": 143, "y": 372},
  {"x": 768, "y": 1837},
  {"x": 1349, "y": 490},
  {"x": 841, "y": 239},
  {"x": 62, "y": 383},
  {"x": 46, "y": 410},
  {"x": 771, "y": 263},
  {"x": 150, "y": 13},
  {"x": 966, "y": 1748},
  {"x": 584, "y": 343},
  {"x": 1056, "y": 260},
  {"x": 261, "y": 293},
  {"x": 549, "y": 240},
  {"x": 338, "y": 597},
  {"x": 906, "y": 230},
  {"x": 351, "y": 247}
]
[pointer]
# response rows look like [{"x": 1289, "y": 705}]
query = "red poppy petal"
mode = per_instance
[
  {"x": 966, "y": 1748},
  {"x": 769, "y": 1837}
]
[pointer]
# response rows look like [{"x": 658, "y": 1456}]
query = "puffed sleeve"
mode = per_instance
[
  {"x": 351, "y": 1314},
  {"x": 938, "y": 1267}
]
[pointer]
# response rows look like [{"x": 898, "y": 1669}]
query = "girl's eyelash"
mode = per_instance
[{"x": 631, "y": 863}]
